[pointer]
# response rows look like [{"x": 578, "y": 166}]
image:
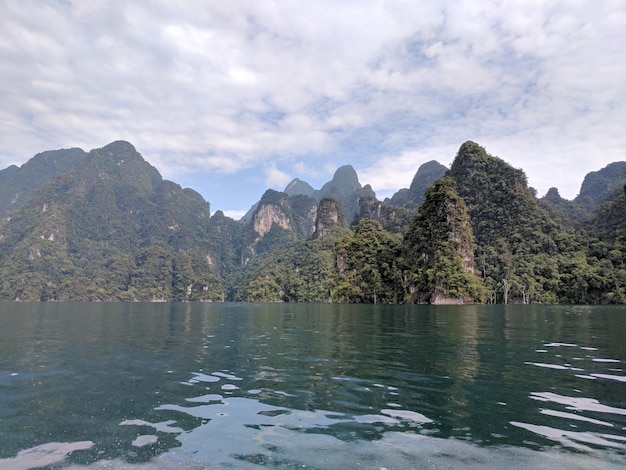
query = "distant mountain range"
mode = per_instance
[{"x": 104, "y": 225}]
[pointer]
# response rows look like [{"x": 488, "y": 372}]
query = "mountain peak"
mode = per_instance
[
  {"x": 346, "y": 176},
  {"x": 469, "y": 154},
  {"x": 120, "y": 147},
  {"x": 553, "y": 195},
  {"x": 297, "y": 186}
]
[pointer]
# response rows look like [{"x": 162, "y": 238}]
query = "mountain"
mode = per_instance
[
  {"x": 439, "y": 249},
  {"x": 609, "y": 219},
  {"x": 413, "y": 197},
  {"x": 523, "y": 253},
  {"x": 394, "y": 219},
  {"x": 277, "y": 220},
  {"x": 597, "y": 188},
  {"x": 344, "y": 188},
  {"x": 108, "y": 227},
  {"x": 297, "y": 187},
  {"x": 19, "y": 185}
]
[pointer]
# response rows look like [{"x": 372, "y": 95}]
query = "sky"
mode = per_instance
[{"x": 234, "y": 97}]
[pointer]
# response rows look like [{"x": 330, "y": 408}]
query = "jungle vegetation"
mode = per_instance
[{"x": 104, "y": 226}]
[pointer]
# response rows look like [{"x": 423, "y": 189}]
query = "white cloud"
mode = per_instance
[
  {"x": 391, "y": 173},
  {"x": 221, "y": 87},
  {"x": 276, "y": 178}
]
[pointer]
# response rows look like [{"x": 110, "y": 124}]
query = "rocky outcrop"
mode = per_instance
[
  {"x": 268, "y": 215},
  {"x": 329, "y": 216}
]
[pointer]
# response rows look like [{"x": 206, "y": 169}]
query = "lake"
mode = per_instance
[{"x": 183, "y": 385}]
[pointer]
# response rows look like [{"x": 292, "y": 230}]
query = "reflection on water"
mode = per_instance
[{"x": 318, "y": 386}]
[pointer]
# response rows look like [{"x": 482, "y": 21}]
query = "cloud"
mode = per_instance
[
  {"x": 219, "y": 88},
  {"x": 391, "y": 173},
  {"x": 275, "y": 178}
]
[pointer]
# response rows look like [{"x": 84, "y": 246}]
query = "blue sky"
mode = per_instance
[{"x": 232, "y": 98}]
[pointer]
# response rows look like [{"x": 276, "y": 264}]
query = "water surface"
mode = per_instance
[{"x": 175, "y": 385}]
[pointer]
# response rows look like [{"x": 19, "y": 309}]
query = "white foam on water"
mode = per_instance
[
  {"x": 599, "y": 359},
  {"x": 574, "y": 439},
  {"x": 369, "y": 419},
  {"x": 145, "y": 440},
  {"x": 244, "y": 433},
  {"x": 226, "y": 376},
  {"x": 547, "y": 366},
  {"x": 619, "y": 378},
  {"x": 43, "y": 455},
  {"x": 200, "y": 377},
  {"x": 164, "y": 426},
  {"x": 577, "y": 403},
  {"x": 211, "y": 397},
  {"x": 408, "y": 415},
  {"x": 562, "y": 414},
  {"x": 395, "y": 450}
]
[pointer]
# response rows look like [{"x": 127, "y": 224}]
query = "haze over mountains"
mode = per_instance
[{"x": 104, "y": 225}]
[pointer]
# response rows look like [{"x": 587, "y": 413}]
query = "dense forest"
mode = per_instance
[{"x": 105, "y": 226}]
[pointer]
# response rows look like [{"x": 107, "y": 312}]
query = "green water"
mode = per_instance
[{"x": 311, "y": 386}]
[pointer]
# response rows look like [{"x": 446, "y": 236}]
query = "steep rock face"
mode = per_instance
[
  {"x": 329, "y": 216},
  {"x": 270, "y": 213},
  {"x": 344, "y": 187},
  {"x": 304, "y": 212},
  {"x": 412, "y": 197},
  {"x": 270, "y": 227},
  {"x": 295, "y": 213}
]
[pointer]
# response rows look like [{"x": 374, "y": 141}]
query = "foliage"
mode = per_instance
[
  {"x": 438, "y": 249},
  {"x": 105, "y": 226}
]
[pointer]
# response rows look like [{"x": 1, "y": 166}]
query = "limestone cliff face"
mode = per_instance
[
  {"x": 295, "y": 214},
  {"x": 329, "y": 215},
  {"x": 268, "y": 215}
]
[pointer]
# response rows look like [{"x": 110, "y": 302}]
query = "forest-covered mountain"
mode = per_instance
[
  {"x": 19, "y": 184},
  {"x": 105, "y": 226}
]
